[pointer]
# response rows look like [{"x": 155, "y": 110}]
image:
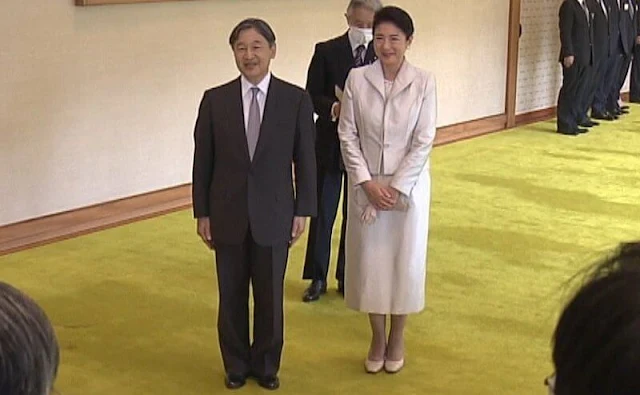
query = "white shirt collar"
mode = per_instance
[{"x": 262, "y": 85}]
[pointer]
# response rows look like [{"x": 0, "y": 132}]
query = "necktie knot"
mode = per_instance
[{"x": 254, "y": 91}]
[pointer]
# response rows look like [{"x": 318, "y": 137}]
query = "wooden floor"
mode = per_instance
[{"x": 45, "y": 230}]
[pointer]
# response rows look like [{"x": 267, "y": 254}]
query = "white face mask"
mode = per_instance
[{"x": 362, "y": 35}]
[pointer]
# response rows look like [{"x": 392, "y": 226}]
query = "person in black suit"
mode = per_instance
[
  {"x": 634, "y": 94},
  {"x": 576, "y": 58},
  {"x": 628, "y": 37},
  {"x": 620, "y": 47},
  {"x": 596, "y": 98},
  {"x": 611, "y": 107},
  {"x": 330, "y": 65},
  {"x": 248, "y": 208}
]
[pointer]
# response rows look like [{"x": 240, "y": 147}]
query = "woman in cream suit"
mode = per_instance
[{"x": 387, "y": 127}]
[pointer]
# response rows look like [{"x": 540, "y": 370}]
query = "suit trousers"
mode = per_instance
[
  {"x": 602, "y": 84},
  {"x": 264, "y": 267},
  {"x": 318, "y": 255},
  {"x": 635, "y": 75},
  {"x": 624, "y": 71},
  {"x": 592, "y": 75},
  {"x": 571, "y": 99},
  {"x": 596, "y": 98},
  {"x": 612, "y": 78}
]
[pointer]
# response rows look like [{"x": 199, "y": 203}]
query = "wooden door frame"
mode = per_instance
[{"x": 512, "y": 62}]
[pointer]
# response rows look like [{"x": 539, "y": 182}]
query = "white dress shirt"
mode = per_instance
[{"x": 247, "y": 95}]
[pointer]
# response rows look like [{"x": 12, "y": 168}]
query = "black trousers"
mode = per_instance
[
  {"x": 318, "y": 255},
  {"x": 613, "y": 77},
  {"x": 595, "y": 97},
  {"x": 603, "y": 84},
  {"x": 592, "y": 76},
  {"x": 575, "y": 83},
  {"x": 624, "y": 70},
  {"x": 635, "y": 75},
  {"x": 264, "y": 267}
]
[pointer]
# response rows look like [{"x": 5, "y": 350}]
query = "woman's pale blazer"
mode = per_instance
[{"x": 388, "y": 134}]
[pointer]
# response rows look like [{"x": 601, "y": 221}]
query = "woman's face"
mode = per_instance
[{"x": 390, "y": 44}]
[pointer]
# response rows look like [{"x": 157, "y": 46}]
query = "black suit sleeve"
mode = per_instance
[
  {"x": 202, "y": 159},
  {"x": 304, "y": 160},
  {"x": 566, "y": 25},
  {"x": 316, "y": 78}
]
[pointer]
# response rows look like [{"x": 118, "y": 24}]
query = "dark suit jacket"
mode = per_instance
[
  {"x": 575, "y": 33},
  {"x": 237, "y": 193},
  {"x": 330, "y": 65},
  {"x": 614, "y": 24},
  {"x": 601, "y": 31},
  {"x": 627, "y": 27}
]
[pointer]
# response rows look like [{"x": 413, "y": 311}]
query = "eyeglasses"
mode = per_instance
[{"x": 550, "y": 382}]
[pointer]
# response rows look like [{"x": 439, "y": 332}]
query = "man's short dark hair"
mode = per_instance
[
  {"x": 259, "y": 25},
  {"x": 29, "y": 353},
  {"x": 397, "y": 16}
]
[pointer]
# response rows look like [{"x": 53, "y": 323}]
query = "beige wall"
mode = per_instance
[{"x": 98, "y": 103}]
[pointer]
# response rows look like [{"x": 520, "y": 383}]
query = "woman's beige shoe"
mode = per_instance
[
  {"x": 373, "y": 367},
  {"x": 393, "y": 366}
]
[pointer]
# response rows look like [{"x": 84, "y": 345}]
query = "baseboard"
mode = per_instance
[
  {"x": 548, "y": 113},
  {"x": 535, "y": 116},
  {"x": 52, "y": 228},
  {"x": 466, "y": 130}
]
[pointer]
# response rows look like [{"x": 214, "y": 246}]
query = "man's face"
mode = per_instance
[
  {"x": 361, "y": 17},
  {"x": 253, "y": 55}
]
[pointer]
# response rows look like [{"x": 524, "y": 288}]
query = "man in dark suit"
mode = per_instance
[
  {"x": 576, "y": 58},
  {"x": 620, "y": 48},
  {"x": 602, "y": 52},
  {"x": 635, "y": 69},
  {"x": 628, "y": 37},
  {"x": 247, "y": 135},
  {"x": 328, "y": 70}
]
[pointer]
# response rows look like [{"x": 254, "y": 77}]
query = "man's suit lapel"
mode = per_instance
[
  {"x": 236, "y": 119},
  {"x": 345, "y": 53},
  {"x": 370, "y": 55},
  {"x": 269, "y": 118}
]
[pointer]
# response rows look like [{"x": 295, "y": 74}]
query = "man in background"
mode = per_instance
[
  {"x": 576, "y": 59},
  {"x": 330, "y": 65},
  {"x": 620, "y": 48},
  {"x": 602, "y": 57},
  {"x": 635, "y": 68}
]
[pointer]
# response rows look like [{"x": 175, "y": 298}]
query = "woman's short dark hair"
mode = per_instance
[
  {"x": 397, "y": 16},
  {"x": 259, "y": 25},
  {"x": 596, "y": 344},
  {"x": 29, "y": 353}
]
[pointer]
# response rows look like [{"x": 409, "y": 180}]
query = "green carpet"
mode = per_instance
[{"x": 514, "y": 216}]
